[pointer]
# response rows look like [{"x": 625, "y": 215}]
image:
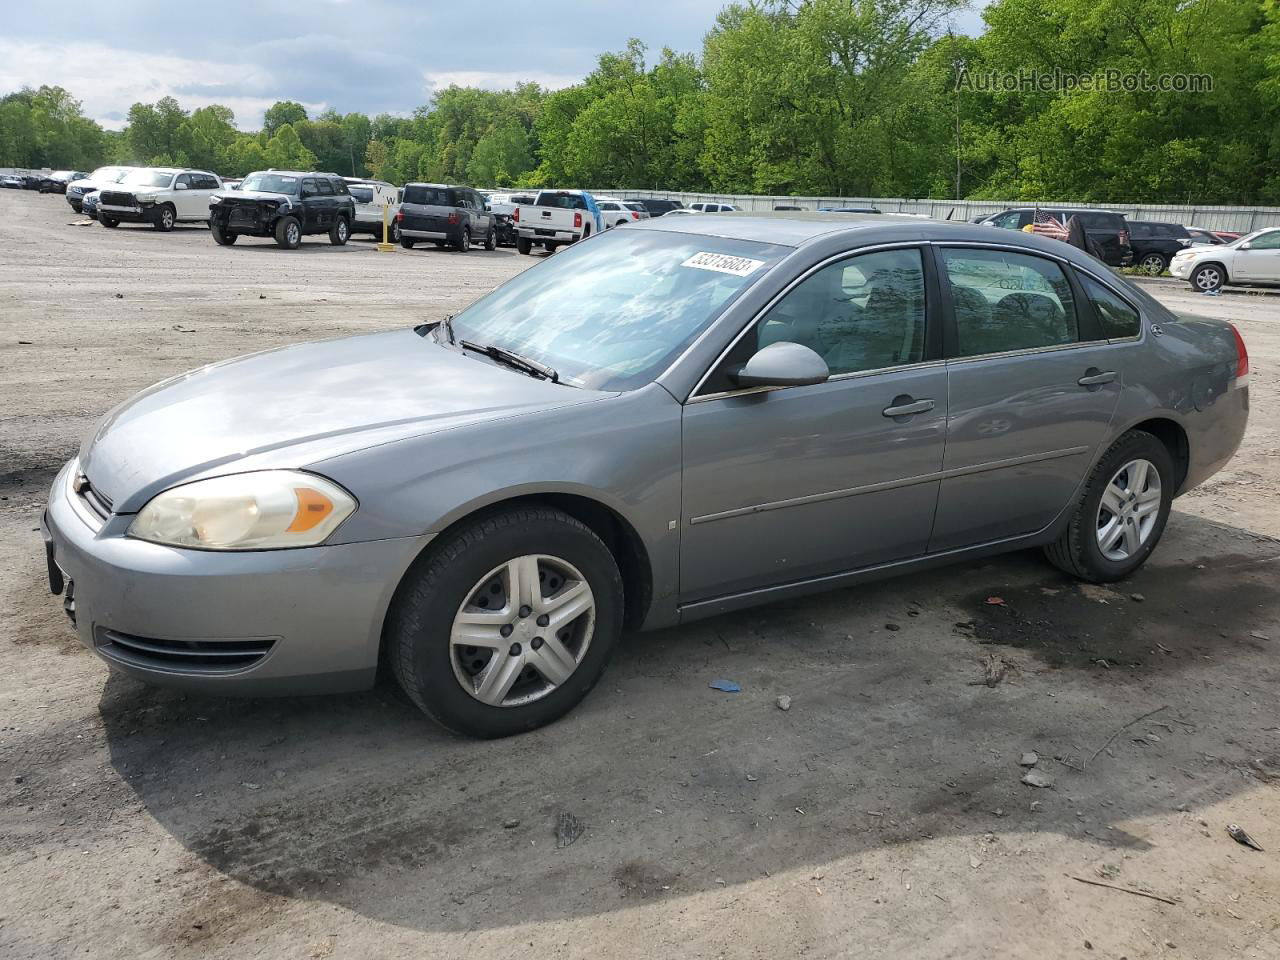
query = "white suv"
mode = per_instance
[
  {"x": 160, "y": 196},
  {"x": 370, "y": 197},
  {"x": 1251, "y": 259}
]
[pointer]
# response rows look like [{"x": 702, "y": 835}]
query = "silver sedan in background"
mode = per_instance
[{"x": 661, "y": 423}]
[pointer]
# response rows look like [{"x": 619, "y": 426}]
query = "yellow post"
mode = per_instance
[{"x": 385, "y": 246}]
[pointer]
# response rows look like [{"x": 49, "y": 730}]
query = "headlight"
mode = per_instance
[
  {"x": 145, "y": 197},
  {"x": 264, "y": 510}
]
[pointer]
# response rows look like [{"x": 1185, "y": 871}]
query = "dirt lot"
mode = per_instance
[{"x": 882, "y": 815}]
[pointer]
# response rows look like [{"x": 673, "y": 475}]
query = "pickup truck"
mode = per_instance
[{"x": 556, "y": 217}]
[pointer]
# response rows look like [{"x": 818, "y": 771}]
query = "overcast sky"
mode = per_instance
[{"x": 366, "y": 55}]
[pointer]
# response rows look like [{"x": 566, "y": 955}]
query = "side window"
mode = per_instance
[
  {"x": 184, "y": 178},
  {"x": 324, "y": 187},
  {"x": 864, "y": 313},
  {"x": 340, "y": 188},
  {"x": 1117, "y": 318},
  {"x": 309, "y": 188},
  {"x": 1266, "y": 241},
  {"x": 1008, "y": 301},
  {"x": 1007, "y": 221}
]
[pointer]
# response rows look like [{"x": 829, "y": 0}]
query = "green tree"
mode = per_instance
[
  {"x": 500, "y": 156},
  {"x": 285, "y": 151},
  {"x": 280, "y": 113}
]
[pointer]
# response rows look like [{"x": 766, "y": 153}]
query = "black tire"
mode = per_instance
[
  {"x": 221, "y": 237},
  {"x": 78, "y": 208},
  {"x": 464, "y": 240},
  {"x": 393, "y": 232},
  {"x": 1154, "y": 264},
  {"x": 1208, "y": 276},
  {"x": 340, "y": 232},
  {"x": 1077, "y": 551},
  {"x": 407, "y": 242},
  {"x": 165, "y": 218},
  {"x": 433, "y": 590},
  {"x": 491, "y": 239},
  {"x": 550, "y": 247},
  {"x": 289, "y": 233},
  {"x": 110, "y": 222},
  {"x": 524, "y": 245}
]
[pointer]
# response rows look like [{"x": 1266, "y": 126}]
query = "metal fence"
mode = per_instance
[{"x": 1242, "y": 219}]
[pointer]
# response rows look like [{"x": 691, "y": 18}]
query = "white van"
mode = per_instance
[{"x": 370, "y": 197}]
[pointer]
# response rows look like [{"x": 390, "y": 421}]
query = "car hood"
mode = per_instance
[
  {"x": 253, "y": 195},
  {"x": 298, "y": 405}
]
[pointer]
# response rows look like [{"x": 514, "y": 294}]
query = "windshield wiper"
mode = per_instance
[{"x": 513, "y": 359}]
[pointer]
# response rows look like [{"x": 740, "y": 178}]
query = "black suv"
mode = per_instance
[
  {"x": 658, "y": 206},
  {"x": 284, "y": 204},
  {"x": 1105, "y": 227},
  {"x": 1154, "y": 244}
]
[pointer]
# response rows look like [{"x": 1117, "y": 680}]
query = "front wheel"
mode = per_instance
[
  {"x": 508, "y": 624},
  {"x": 1153, "y": 264},
  {"x": 288, "y": 233},
  {"x": 165, "y": 218},
  {"x": 523, "y": 245},
  {"x": 1208, "y": 278},
  {"x": 220, "y": 236},
  {"x": 1122, "y": 514},
  {"x": 339, "y": 232}
]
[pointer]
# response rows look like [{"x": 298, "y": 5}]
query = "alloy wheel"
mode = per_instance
[
  {"x": 522, "y": 631},
  {"x": 1128, "y": 510},
  {"x": 1208, "y": 278}
]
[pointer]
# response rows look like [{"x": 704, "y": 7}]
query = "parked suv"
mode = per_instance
[
  {"x": 160, "y": 196},
  {"x": 657, "y": 206},
  {"x": 1106, "y": 227},
  {"x": 1154, "y": 244},
  {"x": 443, "y": 214},
  {"x": 286, "y": 205},
  {"x": 370, "y": 197},
  {"x": 702, "y": 207}
]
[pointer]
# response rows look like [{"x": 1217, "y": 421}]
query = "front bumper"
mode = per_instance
[
  {"x": 252, "y": 623},
  {"x": 1180, "y": 268},
  {"x": 139, "y": 214}
]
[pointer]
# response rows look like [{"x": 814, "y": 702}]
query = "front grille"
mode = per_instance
[
  {"x": 187, "y": 656},
  {"x": 243, "y": 215},
  {"x": 116, "y": 199}
]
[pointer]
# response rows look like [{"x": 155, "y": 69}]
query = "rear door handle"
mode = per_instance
[
  {"x": 1093, "y": 377},
  {"x": 905, "y": 406}
]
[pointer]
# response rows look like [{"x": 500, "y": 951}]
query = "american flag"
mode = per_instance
[{"x": 1049, "y": 226}]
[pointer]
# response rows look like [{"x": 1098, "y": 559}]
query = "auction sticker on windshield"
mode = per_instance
[{"x": 723, "y": 263}]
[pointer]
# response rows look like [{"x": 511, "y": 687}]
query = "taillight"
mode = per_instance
[
  {"x": 634, "y": 215},
  {"x": 516, "y": 216},
  {"x": 453, "y": 217},
  {"x": 1242, "y": 358},
  {"x": 1124, "y": 238},
  {"x": 577, "y": 220},
  {"x": 400, "y": 216}
]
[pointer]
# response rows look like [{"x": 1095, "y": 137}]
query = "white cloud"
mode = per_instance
[
  {"x": 108, "y": 81},
  {"x": 498, "y": 79}
]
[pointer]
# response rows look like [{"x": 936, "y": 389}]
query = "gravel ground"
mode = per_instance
[{"x": 881, "y": 815}]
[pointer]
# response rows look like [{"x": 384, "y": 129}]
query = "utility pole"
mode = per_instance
[{"x": 958, "y": 65}]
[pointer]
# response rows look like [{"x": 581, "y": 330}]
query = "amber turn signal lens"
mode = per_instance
[{"x": 313, "y": 507}]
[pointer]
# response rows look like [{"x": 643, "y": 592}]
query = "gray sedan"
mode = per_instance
[{"x": 661, "y": 423}]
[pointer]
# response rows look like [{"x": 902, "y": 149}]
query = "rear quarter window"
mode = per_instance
[{"x": 1116, "y": 317}]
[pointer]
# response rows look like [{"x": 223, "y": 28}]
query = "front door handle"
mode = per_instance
[
  {"x": 1093, "y": 377},
  {"x": 906, "y": 406}
]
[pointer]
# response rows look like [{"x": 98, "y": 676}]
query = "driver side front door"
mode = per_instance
[{"x": 783, "y": 485}]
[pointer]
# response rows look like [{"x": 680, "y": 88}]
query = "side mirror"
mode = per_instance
[
  {"x": 783, "y": 364},
  {"x": 1246, "y": 246},
  {"x": 180, "y": 186}
]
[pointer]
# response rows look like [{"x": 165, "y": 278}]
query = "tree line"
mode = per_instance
[{"x": 811, "y": 97}]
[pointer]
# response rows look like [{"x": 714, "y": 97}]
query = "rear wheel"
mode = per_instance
[
  {"x": 1208, "y": 277},
  {"x": 550, "y": 247},
  {"x": 407, "y": 242},
  {"x": 339, "y": 233},
  {"x": 508, "y": 624},
  {"x": 523, "y": 245},
  {"x": 1122, "y": 514},
  {"x": 491, "y": 239},
  {"x": 108, "y": 221},
  {"x": 288, "y": 233},
  {"x": 393, "y": 232},
  {"x": 165, "y": 218},
  {"x": 220, "y": 236},
  {"x": 464, "y": 241}
]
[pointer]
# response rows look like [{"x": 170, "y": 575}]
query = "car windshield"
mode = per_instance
[
  {"x": 148, "y": 178},
  {"x": 613, "y": 312},
  {"x": 1249, "y": 237},
  {"x": 270, "y": 183}
]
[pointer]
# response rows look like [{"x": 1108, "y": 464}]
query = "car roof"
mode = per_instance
[{"x": 798, "y": 229}]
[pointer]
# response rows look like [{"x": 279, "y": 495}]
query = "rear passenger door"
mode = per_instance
[{"x": 1032, "y": 387}]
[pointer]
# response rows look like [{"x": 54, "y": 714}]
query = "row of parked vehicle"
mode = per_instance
[{"x": 55, "y": 182}]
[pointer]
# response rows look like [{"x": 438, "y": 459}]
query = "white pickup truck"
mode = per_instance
[{"x": 556, "y": 217}]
